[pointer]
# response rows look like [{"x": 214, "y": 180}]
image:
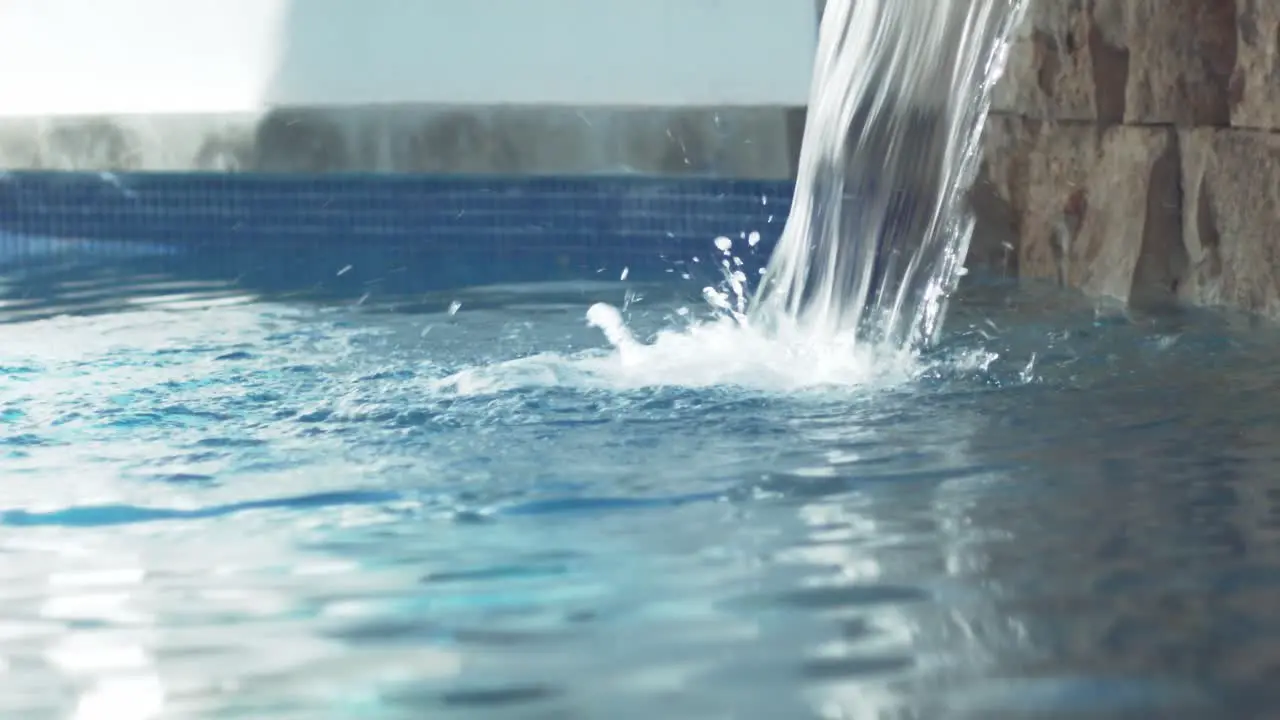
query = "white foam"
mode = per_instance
[{"x": 724, "y": 350}]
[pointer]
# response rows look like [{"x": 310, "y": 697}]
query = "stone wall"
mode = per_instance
[{"x": 1134, "y": 151}]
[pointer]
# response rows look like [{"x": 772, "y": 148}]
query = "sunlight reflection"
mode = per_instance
[
  {"x": 109, "y": 655},
  {"x": 136, "y": 697},
  {"x": 840, "y": 539}
]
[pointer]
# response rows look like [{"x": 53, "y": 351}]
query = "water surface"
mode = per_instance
[{"x": 220, "y": 506}]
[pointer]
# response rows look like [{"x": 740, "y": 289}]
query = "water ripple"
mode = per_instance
[
  {"x": 281, "y": 510},
  {"x": 87, "y": 516}
]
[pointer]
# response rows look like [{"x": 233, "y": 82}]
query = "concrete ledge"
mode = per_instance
[{"x": 760, "y": 143}]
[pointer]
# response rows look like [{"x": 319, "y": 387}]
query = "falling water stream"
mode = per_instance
[
  {"x": 878, "y": 230},
  {"x": 879, "y": 225}
]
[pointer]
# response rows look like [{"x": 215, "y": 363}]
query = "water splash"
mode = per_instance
[
  {"x": 696, "y": 350},
  {"x": 878, "y": 230},
  {"x": 713, "y": 354}
]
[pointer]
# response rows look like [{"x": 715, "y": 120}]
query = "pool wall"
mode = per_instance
[{"x": 389, "y": 233}]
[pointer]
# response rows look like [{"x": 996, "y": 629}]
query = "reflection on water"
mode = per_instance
[{"x": 287, "y": 509}]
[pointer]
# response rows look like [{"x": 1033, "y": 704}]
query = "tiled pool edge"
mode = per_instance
[{"x": 460, "y": 230}]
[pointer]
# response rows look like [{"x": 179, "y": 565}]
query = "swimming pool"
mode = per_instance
[{"x": 259, "y": 494}]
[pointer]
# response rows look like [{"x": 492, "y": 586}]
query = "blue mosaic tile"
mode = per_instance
[{"x": 435, "y": 231}]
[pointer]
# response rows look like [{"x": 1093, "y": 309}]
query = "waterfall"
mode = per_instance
[{"x": 879, "y": 226}]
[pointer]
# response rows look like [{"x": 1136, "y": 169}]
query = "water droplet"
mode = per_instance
[
  {"x": 724, "y": 244},
  {"x": 609, "y": 320},
  {"x": 753, "y": 239},
  {"x": 625, "y": 272},
  {"x": 716, "y": 298},
  {"x": 454, "y": 307},
  {"x": 1028, "y": 372}
]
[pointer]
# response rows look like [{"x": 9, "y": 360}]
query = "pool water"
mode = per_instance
[{"x": 469, "y": 505}]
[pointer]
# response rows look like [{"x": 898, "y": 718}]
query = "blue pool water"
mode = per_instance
[
  {"x": 302, "y": 476},
  {"x": 218, "y": 503}
]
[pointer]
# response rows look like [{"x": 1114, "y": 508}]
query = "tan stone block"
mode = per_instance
[
  {"x": 1231, "y": 182},
  {"x": 1181, "y": 57},
  {"x": 998, "y": 195},
  {"x": 1097, "y": 209},
  {"x": 1255, "y": 87},
  {"x": 1068, "y": 61},
  {"x": 1142, "y": 62}
]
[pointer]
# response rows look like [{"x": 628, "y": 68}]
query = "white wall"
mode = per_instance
[{"x": 112, "y": 57}]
